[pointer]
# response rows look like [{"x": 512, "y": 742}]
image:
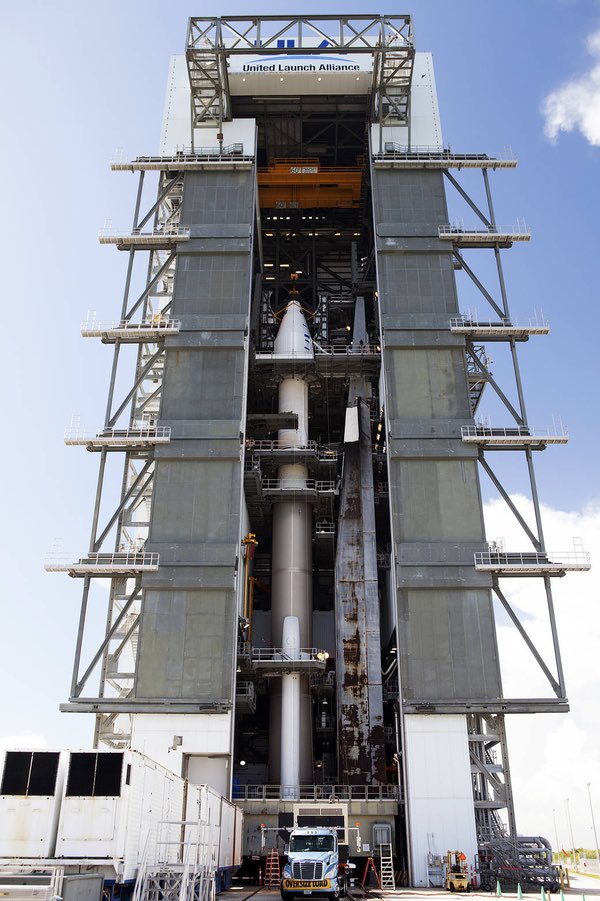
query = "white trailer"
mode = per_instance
[
  {"x": 111, "y": 811},
  {"x": 112, "y": 807}
]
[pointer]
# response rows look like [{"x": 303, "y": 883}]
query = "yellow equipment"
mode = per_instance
[
  {"x": 457, "y": 878},
  {"x": 305, "y": 184}
]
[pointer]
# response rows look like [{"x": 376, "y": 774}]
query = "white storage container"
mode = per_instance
[
  {"x": 30, "y": 797},
  {"x": 113, "y": 803}
]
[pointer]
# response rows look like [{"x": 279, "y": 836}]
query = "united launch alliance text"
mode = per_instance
[{"x": 301, "y": 67}]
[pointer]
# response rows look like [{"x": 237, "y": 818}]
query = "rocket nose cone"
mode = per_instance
[{"x": 293, "y": 338}]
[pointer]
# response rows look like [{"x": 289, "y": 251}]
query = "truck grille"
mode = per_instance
[{"x": 308, "y": 870}]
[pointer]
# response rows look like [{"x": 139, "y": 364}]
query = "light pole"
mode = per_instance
[
  {"x": 556, "y": 834},
  {"x": 593, "y": 825},
  {"x": 570, "y": 831}
]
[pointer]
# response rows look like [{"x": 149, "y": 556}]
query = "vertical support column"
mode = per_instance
[{"x": 358, "y": 652}]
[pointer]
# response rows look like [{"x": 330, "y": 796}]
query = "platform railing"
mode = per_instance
[
  {"x": 554, "y": 559},
  {"x": 157, "y": 323},
  {"x": 110, "y": 234},
  {"x": 348, "y": 350},
  {"x": 75, "y": 435},
  {"x": 280, "y": 654},
  {"x": 513, "y": 432},
  {"x": 329, "y": 793},
  {"x": 474, "y": 322},
  {"x": 518, "y": 231},
  {"x": 183, "y": 153},
  {"x": 129, "y": 559},
  {"x": 293, "y": 484}
]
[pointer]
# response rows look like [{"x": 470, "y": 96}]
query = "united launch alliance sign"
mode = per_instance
[
  {"x": 298, "y": 64},
  {"x": 308, "y": 73}
]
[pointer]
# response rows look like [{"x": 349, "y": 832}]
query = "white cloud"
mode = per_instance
[
  {"x": 576, "y": 104},
  {"x": 553, "y": 756}
]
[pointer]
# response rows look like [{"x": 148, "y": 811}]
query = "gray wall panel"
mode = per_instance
[
  {"x": 446, "y": 625},
  {"x": 189, "y": 607},
  {"x": 187, "y": 645}
]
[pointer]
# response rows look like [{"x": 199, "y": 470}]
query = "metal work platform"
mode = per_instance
[
  {"x": 157, "y": 239},
  {"x": 130, "y": 332},
  {"x": 118, "y": 439},
  {"x": 280, "y": 452},
  {"x": 310, "y": 490},
  {"x": 123, "y": 563},
  {"x": 516, "y": 436},
  {"x": 483, "y": 237},
  {"x": 513, "y": 563},
  {"x": 399, "y": 156},
  {"x": 330, "y": 361},
  {"x": 229, "y": 158},
  {"x": 497, "y": 331},
  {"x": 275, "y": 661}
]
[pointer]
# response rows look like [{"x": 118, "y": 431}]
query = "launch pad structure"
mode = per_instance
[{"x": 301, "y": 606}]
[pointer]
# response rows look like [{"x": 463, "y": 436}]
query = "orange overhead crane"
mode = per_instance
[{"x": 305, "y": 184}]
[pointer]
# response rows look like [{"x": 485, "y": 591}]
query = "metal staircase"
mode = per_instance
[{"x": 183, "y": 870}]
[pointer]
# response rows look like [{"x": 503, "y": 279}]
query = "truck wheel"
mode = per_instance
[
  {"x": 452, "y": 889},
  {"x": 286, "y": 896}
]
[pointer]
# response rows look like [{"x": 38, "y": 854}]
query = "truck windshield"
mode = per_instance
[{"x": 311, "y": 843}]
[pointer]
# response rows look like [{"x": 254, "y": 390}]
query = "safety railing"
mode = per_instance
[
  {"x": 145, "y": 434},
  {"x": 325, "y": 528},
  {"x": 532, "y": 560},
  {"x": 277, "y": 654},
  {"x": 330, "y": 793},
  {"x": 292, "y": 484},
  {"x": 454, "y": 231},
  {"x": 483, "y": 434},
  {"x": 136, "y": 235},
  {"x": 182, "y": 156},
  {"x": 535, "y": 325},
  {"x": 436, "y": 152},
  {"x": 92, "y": 327},
  {"x": 278, "y": 445},
  {"x": 187, "y": 151},
  {"x": 117, "y": 561},
  {"x": 264, "y": 446},
  {"x": 347, "y": 350}
]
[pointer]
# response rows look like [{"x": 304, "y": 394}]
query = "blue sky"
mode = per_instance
[{"x": 82, "y": 79}]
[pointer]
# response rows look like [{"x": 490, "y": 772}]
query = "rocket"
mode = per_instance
[{"x": 291, "y": 573}]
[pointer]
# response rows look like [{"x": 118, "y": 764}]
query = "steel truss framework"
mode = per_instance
[
  {"x": 114, "y": 659},
  {"x": 211, "y": 41},
  {"x": 480, "y": 376}
]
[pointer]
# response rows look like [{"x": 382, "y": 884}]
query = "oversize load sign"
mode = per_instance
[{"x": 310, "y": 884}]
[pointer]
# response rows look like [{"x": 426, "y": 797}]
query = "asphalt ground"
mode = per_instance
[{"x": 580, "y": 886}]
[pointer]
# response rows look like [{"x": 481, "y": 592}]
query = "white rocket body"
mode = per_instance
[
  {"x": 291, "y": 575},
  {"x": 290, "y": 705}
]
